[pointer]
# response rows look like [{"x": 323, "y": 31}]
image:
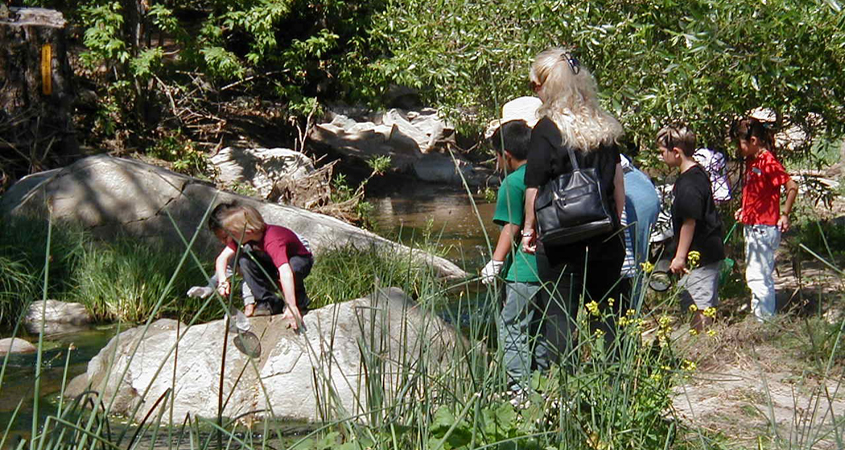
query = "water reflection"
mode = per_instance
[{"x": 442, "y": 214}]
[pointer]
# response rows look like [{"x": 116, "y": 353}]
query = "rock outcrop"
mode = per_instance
[
  {"x": 261, "y": 168},
  {"x": 316, "y": 374},
  {"x": 416, "y": 142},
  {"x": 114, "y": 196},
  {"x": 58, "y": 317}
]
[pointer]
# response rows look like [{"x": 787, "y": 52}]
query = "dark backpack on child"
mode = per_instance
[{"x": 572, "y": 208}]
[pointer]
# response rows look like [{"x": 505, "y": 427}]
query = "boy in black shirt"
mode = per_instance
[{"x": 698, "y": 228}]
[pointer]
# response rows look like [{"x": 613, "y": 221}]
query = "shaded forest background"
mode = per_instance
[{"x": 178, "y": 79}]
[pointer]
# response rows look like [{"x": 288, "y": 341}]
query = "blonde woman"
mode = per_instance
[{"x": 571, "y": 117}]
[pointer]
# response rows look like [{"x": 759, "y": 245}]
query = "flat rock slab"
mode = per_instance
[{"x": 291, "y": 372}]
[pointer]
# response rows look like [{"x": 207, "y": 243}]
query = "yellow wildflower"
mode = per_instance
[
  {"x": 710, "y": 312},
  {"x": 610, "y": 302},
  {"x": 630, "y": 312},
  {"x": 692, "y": 259},
  {"x": 624, "y": 321},
  {"x": 693, "y": 308},
  {"x": 693, "y": 331},
  {"x": 599, "y": 333},
  {"x": 657, "y": 376},
  {"x": 647, "y": 267},
  {"x": 711, "y": 332},
  {"x": 593, "y": 308},
  {"x": 689, "y": 366}
]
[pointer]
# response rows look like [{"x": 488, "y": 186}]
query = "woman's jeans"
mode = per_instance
[{"x": 761, "y": 242}]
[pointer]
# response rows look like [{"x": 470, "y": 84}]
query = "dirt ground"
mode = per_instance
[{"x": 754, "y": 379}]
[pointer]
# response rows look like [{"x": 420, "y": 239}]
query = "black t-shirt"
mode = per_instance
[
  {"x": 694, "y": 200},
  {"x": 548, "y": 158}
]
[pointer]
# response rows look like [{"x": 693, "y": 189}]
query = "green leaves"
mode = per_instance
[
  {"x": 222, "y": 63},
  {"x": 703, "y": 61},
  {"x": 103, "y": 37}
]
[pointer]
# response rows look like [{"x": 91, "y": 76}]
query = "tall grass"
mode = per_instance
[
  {"x": 350, "y": 272},
  {"x": 23, "y": 250},
  {"x": 123, "y": 280}
]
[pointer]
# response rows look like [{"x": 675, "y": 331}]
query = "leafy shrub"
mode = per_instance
[{"x": 181, "y": 153}]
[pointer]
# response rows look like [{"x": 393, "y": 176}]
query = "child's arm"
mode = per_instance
[
  {"x": 287, "y": 282},
  {"x": 679, "y": 262},
  {"x": 791, "y": 194},
  {"x": 503, "y": 247},
  {"x": 220, "y": 265}
]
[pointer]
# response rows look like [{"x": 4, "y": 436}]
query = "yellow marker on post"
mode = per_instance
[{"x": 46, "y": 69}]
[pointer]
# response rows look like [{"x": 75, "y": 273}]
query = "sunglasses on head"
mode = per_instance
[
  {"x": 574, "y": 66},
  {"x": 573, "y": 62}
]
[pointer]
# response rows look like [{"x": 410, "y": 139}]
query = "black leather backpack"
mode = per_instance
[{"x": 572, "y": 208}]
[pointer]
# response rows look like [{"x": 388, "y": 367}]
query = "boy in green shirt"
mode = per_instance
[{"x": 522, "y": 284}]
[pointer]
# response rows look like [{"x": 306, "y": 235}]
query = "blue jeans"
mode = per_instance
[
  {"x": 761, "y": 242},
  {"x": 517, "y": 334}
]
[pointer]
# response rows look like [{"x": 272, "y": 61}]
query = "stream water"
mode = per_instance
[{"x": 442, "y": 216}]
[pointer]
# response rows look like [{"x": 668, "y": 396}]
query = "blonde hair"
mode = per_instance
[
  {"x": 242, "y": 220},
  {"x": 570, "y": 101},
  {"x": 677, "y": 136}
]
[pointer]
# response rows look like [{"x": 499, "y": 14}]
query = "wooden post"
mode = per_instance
[{"x": 36, "y": 92}]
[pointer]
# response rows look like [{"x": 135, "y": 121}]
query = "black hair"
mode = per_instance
[
  {"x": 513, "y": 136},
  {"x": 749, "y": 127},
  {"x": 215, "y": 220},
  {"x": 677, "y": 136}
]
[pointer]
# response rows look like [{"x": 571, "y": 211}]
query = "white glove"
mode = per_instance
[
  {"x": 489, "y": 272},
  {"x": 200, "y": 291}
]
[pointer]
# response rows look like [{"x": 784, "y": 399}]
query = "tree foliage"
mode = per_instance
[{"x": 656, "y": 61}]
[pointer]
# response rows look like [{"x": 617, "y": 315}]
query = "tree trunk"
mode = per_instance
[{"x": 36, "y": 92}]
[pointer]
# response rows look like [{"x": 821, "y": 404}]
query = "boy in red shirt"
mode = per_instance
[{"x": 760, "y": 213}]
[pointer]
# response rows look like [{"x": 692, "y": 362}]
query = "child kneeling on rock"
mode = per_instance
[{"x": 270, "y": 257}]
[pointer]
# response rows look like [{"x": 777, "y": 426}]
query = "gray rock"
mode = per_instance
[
  {"x": 114, "y": 196},
  {"x": 261, "y": 168},
  {"x": 414, "y": 140},
  {"x": 16, "y": 345},
  {"x": 76, "y": 386},
  {"x": 59, "y": 317},
  {"x": 437, "y": 168},
  {"x": 289, "y": 373}
]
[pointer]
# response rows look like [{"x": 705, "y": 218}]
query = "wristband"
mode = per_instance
[{"x": 527, "y": 233}]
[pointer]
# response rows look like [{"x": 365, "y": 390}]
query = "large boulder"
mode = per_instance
[
  {"x": 316, "y": 374},
  {"x": 57, "y": 317},
  {"x": 416, "y": 142},
  {"x": 114, "y": 196}
]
